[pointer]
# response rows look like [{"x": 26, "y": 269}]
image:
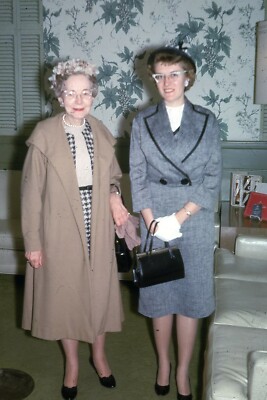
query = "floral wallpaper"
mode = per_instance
[{"x": 117, "y": 37}]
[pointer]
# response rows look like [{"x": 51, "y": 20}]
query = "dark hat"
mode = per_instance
[{"x": 172, "y": 51}]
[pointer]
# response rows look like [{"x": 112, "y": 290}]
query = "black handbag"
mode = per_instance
[
  {"x": 154, "y": 266},
  {"x": 123, "y": 255}
]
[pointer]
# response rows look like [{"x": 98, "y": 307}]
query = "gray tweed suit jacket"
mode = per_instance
[{"x": 194, "y": 156}]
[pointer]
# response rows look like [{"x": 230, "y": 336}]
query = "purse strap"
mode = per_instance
[
  {"x": 151, "y": 237},
  {"x": 150, "y": 247}
]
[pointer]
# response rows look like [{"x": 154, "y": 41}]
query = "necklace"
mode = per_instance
[{"x": 72, "y": 126}]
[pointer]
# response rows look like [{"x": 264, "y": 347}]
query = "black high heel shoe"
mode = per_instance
[
  {"x": 69, "y": 393},
  {"x": 162, "y": 390},
  {"x": 106, "y": 381},
  {"x": 184, "y": 397}
]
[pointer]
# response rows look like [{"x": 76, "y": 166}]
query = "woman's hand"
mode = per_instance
[
  {"x": 34, "y": 258},
  {"x": 119, "y": 212},
  {"x": 168, "y": 228}
]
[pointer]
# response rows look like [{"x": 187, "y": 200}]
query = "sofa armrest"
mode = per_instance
[
  {"x": 251, "y": 247},
  {"x": 257, "y": 372}
]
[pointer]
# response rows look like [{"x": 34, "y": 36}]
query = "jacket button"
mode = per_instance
[
  {"x": 184, "y": 181},
  {"x": 163, "y": 181}
]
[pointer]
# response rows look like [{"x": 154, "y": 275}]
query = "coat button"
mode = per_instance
[
  {"x": 163, "y": 181},
  {"x": 185, "y": 181}
]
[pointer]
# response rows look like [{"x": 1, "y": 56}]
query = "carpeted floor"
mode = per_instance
[{"x": 131, "y": 354}]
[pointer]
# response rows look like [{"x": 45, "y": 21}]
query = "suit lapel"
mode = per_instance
[
  {"x": 158, "y": 125},
  {"x": 193, "y": 126},
  {"x": 159, "y": 129},
  {"x": 179, "y": 147}
]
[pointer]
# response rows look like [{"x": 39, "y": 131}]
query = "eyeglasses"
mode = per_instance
[
  {"x": 72, "y": 94},
  {"x": 172, "y": 76}
]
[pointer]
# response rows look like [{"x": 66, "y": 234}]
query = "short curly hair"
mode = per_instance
[
  {"x": 172, "y": 55},
  {"x": 64, "y": 69}
]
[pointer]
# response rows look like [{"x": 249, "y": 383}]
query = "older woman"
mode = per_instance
[
  {"x": 175, "y": 169},
  {"x": 70, "y": 201}
]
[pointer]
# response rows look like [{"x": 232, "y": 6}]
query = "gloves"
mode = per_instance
[{"x": 168, "y": 228}]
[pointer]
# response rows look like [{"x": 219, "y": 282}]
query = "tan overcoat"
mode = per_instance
[{"x": 71, "y": 296}]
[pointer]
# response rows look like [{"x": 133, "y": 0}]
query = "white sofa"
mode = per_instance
[
  {"x": 236, "y": 356},
  {"x": 12, "y": 259}
]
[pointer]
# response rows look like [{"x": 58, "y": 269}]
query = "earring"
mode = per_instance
[{"x": 186, "y": 83}]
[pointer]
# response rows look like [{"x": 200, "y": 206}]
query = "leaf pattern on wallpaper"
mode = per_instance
[
  {"x": 246, "y": 29},
  {"x": 246, "y": 118},
  {"x": 89, "y": 4},
  {"x": 121, "y": 14},
  {"x": 118, "y": 34},
  {"x": 210, "y": 53},
  {"x": 215, "y": 101},
  {"x": 51, "y": 42},
  {"x": 122, "y": 96},
  {"x": 78, "y": 32}
]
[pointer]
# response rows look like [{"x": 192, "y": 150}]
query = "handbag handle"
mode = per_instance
[{"x": 151, "y": 239}]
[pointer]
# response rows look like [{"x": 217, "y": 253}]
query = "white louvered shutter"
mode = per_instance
[{"x": 21, "y": 61}]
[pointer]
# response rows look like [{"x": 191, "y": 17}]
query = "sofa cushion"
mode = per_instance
[
  {"x": 241, "y": 303},
  {"x": 10, "y": 194},
  {"x": 11, "y": 235},
  {"x": 257, "y": 372},
  {"x": 251, "y": 246},
  {"x": 12, "y": 262},
  {"x": 226, "y": 365},
  {"x": 229, "y": 266}
]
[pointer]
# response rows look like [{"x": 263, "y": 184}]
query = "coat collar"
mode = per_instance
[
  {"x": 193, "y": 125},
  {"x": 50, "y": 138}
]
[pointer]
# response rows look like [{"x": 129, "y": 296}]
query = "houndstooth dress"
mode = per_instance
[{"x": 85, "y": 191}]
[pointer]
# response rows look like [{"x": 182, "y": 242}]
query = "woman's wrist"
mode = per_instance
[
  {"x": 114, "y": 189},
  {"x": 181, "y": 216},
  {"x": 187, "y": 211},
  {"x": 114, "y": 200}
]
